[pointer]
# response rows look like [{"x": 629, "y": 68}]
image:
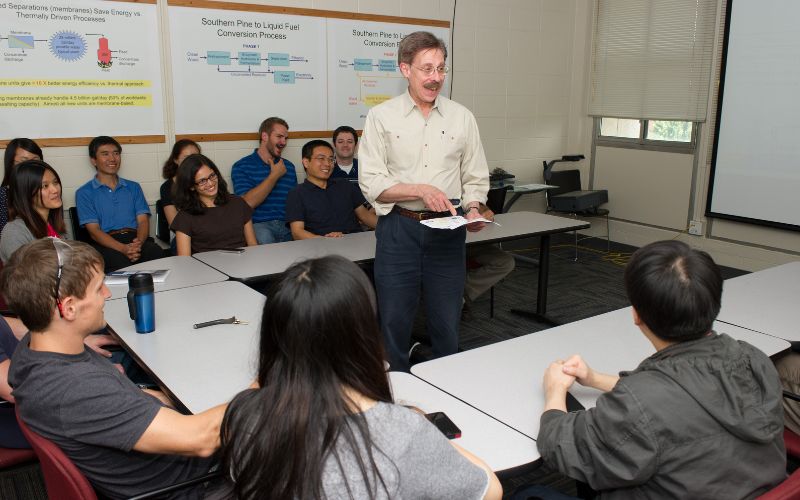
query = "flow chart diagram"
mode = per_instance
[{"x": 235, "y": 62}]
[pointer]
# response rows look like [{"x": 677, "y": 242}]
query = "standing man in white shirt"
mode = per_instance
[{"x": 420, "y": 158}]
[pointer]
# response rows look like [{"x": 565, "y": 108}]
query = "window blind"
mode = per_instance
[{"x": 652, "y": 59}]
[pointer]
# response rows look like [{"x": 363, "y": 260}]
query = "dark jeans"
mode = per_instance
[
  {"x": 116, "y": 260},
  {"x": 409, "y": 255}
]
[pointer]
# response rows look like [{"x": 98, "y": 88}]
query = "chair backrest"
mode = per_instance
[
  {"x": 789, "y": 489},
  {"x": 162, "y": 226},
  {"x": 496, "y": 198},
  {"x": 61, "y": 478},
  {"x": 78, "y": 232},
  {"x": 566, "y": 180}
]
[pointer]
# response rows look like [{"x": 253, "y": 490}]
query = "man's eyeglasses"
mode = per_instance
[
  {"x": 205, "y": 180},
  {"x": 324, "y": 159},
  {"x": 429, "y": 70},
  {"x": 62, "y": 251}
]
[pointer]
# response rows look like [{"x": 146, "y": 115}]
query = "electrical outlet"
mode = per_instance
[{"x": 696, "y": 227}]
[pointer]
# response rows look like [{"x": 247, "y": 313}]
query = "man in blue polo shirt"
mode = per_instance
[
  {"x": 264, "y": 179},
  {"x": 114, "y": 211},
  {"x": 322, "y": 206}
]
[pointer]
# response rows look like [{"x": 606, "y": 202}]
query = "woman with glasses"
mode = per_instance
[
  {"x": 17, "y": 151},
  {"x": 209, "y": 217},
  {"x": 35, "y": 196},
  {"x": 323, "y": 423}
]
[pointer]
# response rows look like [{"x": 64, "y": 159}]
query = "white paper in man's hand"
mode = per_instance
[{"x": 452, "y": 222}]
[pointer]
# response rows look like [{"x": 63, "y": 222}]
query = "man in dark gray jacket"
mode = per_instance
[{"x": 700, "y": 418}]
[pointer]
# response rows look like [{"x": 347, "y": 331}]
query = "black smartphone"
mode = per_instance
[
  {"x": 573, "y": 404},
  {"x": 444, "y": 424}
]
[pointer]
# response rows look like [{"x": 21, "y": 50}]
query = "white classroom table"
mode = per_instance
[
  {"x": 202, "y": 368},
  {"x": 765, "y": 301},
  {"x": 504, "y": 380},
  {"x": 197, "y": 368},
  {"x": 263, "y": 261},
  {"x": 184, "y": 272},
  {"x": 501, "y": 447}
]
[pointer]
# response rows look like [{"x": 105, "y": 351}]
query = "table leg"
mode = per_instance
[{"x": 541, "y": 293}]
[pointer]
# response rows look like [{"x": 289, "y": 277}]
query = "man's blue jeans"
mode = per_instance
[
  {"x": 409, "y": 255},
  {"x": 272, "y": 231}
]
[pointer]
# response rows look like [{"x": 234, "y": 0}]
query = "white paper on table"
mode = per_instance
[
  {"x": 121, "y": 277},
  {"x": 452, "y": 222}
]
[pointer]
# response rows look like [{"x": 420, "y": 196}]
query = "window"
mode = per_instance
[{"x": 672, "y": 135}]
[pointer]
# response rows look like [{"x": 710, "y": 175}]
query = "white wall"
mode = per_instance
[
  {"x": 519, "y": 65},
  {"x": 649, "y": 200}
]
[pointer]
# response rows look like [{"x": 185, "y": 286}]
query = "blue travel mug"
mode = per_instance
[{"x": 142, "y": 302}]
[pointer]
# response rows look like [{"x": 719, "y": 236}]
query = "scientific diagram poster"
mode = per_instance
[
  {"x": 79, "y": 69},
  {"x": 232, "y": 69},
  {"x": 362, "y": 67}
]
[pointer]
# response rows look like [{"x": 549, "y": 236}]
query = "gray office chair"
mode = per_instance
[{"x": 568, "y": 198}]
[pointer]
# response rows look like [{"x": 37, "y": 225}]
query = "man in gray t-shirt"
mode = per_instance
[{"x": 125, "y": 440}]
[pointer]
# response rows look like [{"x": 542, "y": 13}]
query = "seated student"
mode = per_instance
[
  {"x": 209, "y": 217},
  {"x": 493, "y": 264},
  {"x": 17, "y": 151},
  {"x": 321, "y": 206},
  {"x": 323, "y": 424},
  {"x": 114, "y": 210},
  {"x": 36, "y": 197},
  {"x": 169, "y": 171},
  {"x": 345, "y": 141},
  {"x": 264, "y": 178},
  {"x": 11, "y": 331},
  {"x": 700, "y": 418},
  {"x": 124, "y": 439}
]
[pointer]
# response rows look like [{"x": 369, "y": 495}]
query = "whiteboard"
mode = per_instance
[
  {"x": 79, "y": 68},
  {"x": 232, "y": 69},
  {"x": 756, "y": 160},
  {"x": 362, "y": 67}
]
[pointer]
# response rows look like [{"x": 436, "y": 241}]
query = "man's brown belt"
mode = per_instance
[{"x": 423, "y": 215}]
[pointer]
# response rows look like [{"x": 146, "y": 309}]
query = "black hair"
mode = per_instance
[
  {"x": 102, "y": 140},
  {"x": 11, "y": 151},
  {"x": 346, "y": 129},
  {"x": 319, "y": 338},
  {"x": 26, "y": 184},
  {"x": 185, "y": 191},
  {"x": 170, "y": 167},
  {"x": 675, "y": 289},
  {"x": 308, "y": 148}
]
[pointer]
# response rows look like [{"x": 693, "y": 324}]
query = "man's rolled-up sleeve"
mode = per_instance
[
  {"x": 608, "y": 447},
  {"x": 373, "y": 173},
  {"x": 474, "y": 169}
]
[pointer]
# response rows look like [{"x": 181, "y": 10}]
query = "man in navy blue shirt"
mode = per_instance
[
  {"x": 114, "y": 211},
  {"x": 264, "y": 179},
  {"x": 345, "y": 140},
  {"x": 322, "y": 206}
]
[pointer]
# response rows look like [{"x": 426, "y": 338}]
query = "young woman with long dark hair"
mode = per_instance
[
  {"x": 322, "y": 424},
  {"x": 17, "y": 151},
  {"x": 180, "y": 151},
  {"x": 209, "y": 217},
  {"x": 35, "y": 195}
]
